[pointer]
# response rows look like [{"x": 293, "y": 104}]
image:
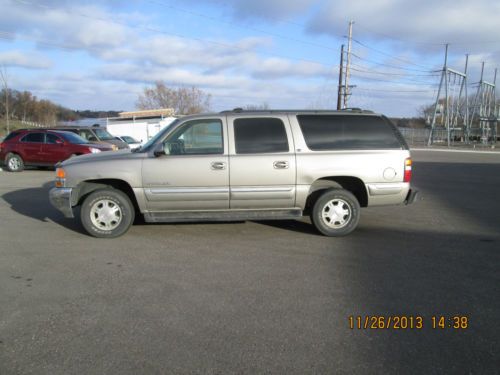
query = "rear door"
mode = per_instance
[
  {"x": 31, "y": 146},
  {"x": 262, "y": 163}
]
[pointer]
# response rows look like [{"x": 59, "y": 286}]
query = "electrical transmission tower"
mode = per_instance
[
  {"x": 451, "y": 105},
  {"x": 483, "y": 122}
]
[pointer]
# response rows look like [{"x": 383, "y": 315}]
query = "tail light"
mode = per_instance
[{"x": 407, "y": 175}]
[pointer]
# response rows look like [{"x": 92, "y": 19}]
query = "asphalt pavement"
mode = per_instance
[{"x": 258, "y": 297}]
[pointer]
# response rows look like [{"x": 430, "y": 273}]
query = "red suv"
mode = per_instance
[{"x": 43, "y": 147}]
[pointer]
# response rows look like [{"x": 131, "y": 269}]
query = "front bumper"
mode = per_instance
[
  {"x": 60, "y": 198},
  {"x": 412, "y": 195}
]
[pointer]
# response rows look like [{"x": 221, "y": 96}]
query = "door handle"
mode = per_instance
[
  {"x": 218, "y": 165},
  {"x": 280, "y": 164}
]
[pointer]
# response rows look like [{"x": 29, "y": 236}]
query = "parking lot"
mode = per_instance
[{"x": 256, "y": 297}]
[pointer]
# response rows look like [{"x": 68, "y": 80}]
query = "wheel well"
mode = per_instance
[
  {"x": 353, "y": 184},
  {"x": 87, "y": 187}
]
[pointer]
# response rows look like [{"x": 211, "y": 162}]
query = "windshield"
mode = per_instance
[
  {"x": 103, "y": 134},
  {"x": 159, "y": 135},
  {"x": 73, "y": 138}
]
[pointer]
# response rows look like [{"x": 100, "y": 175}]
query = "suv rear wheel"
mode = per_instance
[
  {"x": 107, "y": 213},
  {"x": 336, "y": 213},
  {"x": 14, "y": 163}
]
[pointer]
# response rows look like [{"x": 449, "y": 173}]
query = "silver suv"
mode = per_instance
[{"x": 242, "y": 165}]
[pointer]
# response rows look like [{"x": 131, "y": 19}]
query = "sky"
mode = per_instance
[{"x": 100, "y": 55}]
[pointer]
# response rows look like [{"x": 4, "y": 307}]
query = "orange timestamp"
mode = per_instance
[{"x": 405, "y": 322}]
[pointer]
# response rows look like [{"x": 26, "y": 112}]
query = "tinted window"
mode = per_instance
[
  {"x": 73, "y": 138},
  {"x": 52, "y": 138},
  {"x": 10, "y": 136},
  {"x": 33, "y": 137},
  {"x": 260, "y": 135},
  {"x": 196, "y": 138},
  {"x": 348, "y": 132}
]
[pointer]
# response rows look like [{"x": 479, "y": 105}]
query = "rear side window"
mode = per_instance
[
  {"x": 10, "y": 136},
  {"x": 33, "y": 137},
  {"x": 260, "y": 135},
  {"x": 348, "y": 132}
]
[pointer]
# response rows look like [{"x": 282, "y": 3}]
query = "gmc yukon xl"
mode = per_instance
[{"x": 244, "y": 165}]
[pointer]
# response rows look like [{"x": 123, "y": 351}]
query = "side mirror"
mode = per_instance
[
  {"x": 92, "y": 139},
  {"x": 159, "y": 150},
  {"x": 59, "y": 142}
]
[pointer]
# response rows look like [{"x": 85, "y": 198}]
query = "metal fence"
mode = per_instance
[{"x": 415, "y": 137}]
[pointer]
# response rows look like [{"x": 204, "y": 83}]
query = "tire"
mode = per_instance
[
  {"x": 107, "y": 213},
  {"x": 14, "y": 163},
  {"x": 336, "y": 213}
]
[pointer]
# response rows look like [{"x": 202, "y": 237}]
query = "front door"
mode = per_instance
[
  {"x": 53, "y": 150},
  {"x": 262, "y": 160},
  {"x": 193, "y": 174}
]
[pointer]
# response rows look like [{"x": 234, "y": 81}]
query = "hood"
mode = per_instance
[
  {"x": 102, "y": 156},
  {"x": 116, "y": 142},
  {"x": 101, "y": 146}
]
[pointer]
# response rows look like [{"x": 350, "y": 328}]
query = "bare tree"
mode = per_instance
[
  {"x": 3, "y": 77},
  {"x": 183, "y": 100},
  {"x": 257, "y": 107}
]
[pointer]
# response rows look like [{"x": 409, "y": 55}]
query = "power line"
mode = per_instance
[
  {"x": 151, "y": 29},
  {"x": 395, "y": 91},
  {"x": 421, "y": 83},
  {"x": 389, "y": 55},
  {"x": 392, "y": 66},
  {"x": 234, "y": 24},
  {"x": 363, "y": 69}
]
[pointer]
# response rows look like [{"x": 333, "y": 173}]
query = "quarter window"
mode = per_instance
[
  {"x": 260, "y": 135},
  {"x": 198, "y": 137},
  {"x": 33, "y": 138},
  {"x": 348, "y": 132}
]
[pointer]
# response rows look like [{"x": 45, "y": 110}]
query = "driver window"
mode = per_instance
[{"x": 198, "y": 137}]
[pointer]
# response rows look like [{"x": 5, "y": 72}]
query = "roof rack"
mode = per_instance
[{"x": 241, "y": 110}]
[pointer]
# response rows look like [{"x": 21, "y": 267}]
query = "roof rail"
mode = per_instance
[{"x": 241, "y": 110}]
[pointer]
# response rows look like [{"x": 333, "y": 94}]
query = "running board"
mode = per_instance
[{"x": 227, "y": 215}]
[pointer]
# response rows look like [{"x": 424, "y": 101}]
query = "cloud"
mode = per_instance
[
  {"x": 271, "y": 10},
  {"x": 28, "y": 60},
  {"x": 458, "y": 22}
]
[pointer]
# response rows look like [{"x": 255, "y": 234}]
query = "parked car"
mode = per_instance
[
  {"x": 96, "y": 135},
  {"x": 42, "y": 147},
  {"x": 239, "y": 165},
  {"x": 132, "y": 142}
]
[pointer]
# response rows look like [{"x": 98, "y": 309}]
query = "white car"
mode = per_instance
[{"x": 132, "y": 142}]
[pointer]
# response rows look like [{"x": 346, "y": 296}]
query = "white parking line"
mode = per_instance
[{"x": 463, "y": 151}]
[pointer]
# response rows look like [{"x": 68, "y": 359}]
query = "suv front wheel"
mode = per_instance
[
  {"x": 336, "y": 213},
  {"x": 107, "y": 213}
]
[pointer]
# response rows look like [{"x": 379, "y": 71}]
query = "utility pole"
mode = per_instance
[
  {"x": 341, "y": 76},
  {"x": 348, "y": 65}
]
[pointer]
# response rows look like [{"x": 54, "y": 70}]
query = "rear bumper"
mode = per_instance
[
  {"x": 60, "y": 198},
  {"x": 412, "y": 195}
]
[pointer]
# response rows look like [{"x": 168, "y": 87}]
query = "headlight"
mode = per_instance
[
  {"x": 60, "y": 177},
  {"x": 94, "y": 150}
]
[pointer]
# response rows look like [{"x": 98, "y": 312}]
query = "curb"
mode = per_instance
[{"x": 462, "y": 151}]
